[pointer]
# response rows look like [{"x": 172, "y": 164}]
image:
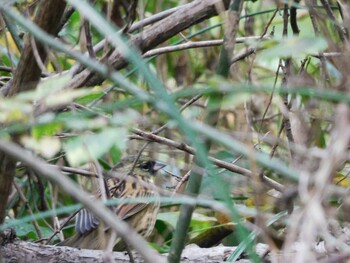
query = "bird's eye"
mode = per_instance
[{"x": 147, "y": 166}]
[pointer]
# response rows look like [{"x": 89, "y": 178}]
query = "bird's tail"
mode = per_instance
[{"x": 91, "y": 240}]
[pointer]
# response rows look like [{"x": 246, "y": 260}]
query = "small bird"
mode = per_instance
[{"x": 132, "y": 181}]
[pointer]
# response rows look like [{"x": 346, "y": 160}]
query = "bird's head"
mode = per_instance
[{"x": 144, "y": 167}]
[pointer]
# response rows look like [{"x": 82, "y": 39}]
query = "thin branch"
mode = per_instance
[
  {"x": 197, "y": 44},
  {"x": 293, "y": 18},
  {"x": 142, "y": 135},
  {"x": 88, "y": 38},
  {"x": 72, "y": 170}
]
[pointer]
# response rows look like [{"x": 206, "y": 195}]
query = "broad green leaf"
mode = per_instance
[
  {"x": 115, "y": 154},
  {"x": 65, "y": 96},
  {"x": 46, "y": 146},
  {"x": 169, "y": 217},
  {"x": 89, "y": 147},
  {"x": 46, "y": 87},
  {"x": 28, "y": 231},
  {"x": 46, "y": 129},
  {"x": 105, "y": 165},
  {"x": 293, "y": 46},
  {"x": 125, "y": 117},
  {"x": 12, "y": 110},
  {"x": 90, "y": 97},
  {"x": 79, "y": 124},
  {"x": 198, "y": 220},
  {"x": 201, "y": 222},
  {"x": 120, "y": 118}
]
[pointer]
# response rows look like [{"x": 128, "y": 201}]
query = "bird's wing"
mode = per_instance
[
  {"x": 124, "y": 211},
  {"x": 85, "y": 221},
  {"x": 127, "y": 188}
]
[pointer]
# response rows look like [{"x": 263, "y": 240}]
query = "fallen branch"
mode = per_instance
[{"x": 21, "y": 251}]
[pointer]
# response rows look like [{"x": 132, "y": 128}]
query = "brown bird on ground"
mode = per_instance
[{"x": 130, "y": 182}]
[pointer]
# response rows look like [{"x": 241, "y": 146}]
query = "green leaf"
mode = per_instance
[
  {"x": 92, "y": 146},
  {"x": 90, "y": 97},
  {"x": 46, "y": 129},
  {"x": 28, "y": 231},
  {"x": 161, "y": 249},
  {"x": 115, "y": 154},
  {"x": 198, "y": 221},
  {"x": 13, "y": 110},
  {"x": 125, "y": 118},
  {"x": 105, "y": 166},
  {"x": 81, "y": 123},
  {"x": 293, "y": 46},
  {"x": 46, "y": 87},
  {"x": 164, "y": 229},
  {"x": 46, "y": 146},
  {"x": 65, "y": 96},
  {"x": 169, "y": 217}
]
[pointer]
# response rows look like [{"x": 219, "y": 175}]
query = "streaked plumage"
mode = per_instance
[{"x": 92, "y": 234}]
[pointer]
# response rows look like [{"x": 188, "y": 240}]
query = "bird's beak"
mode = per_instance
[{"x": 158, "y": 165}]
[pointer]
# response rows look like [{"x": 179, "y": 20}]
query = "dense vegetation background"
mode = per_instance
[{"x": 259, "y": 90}]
